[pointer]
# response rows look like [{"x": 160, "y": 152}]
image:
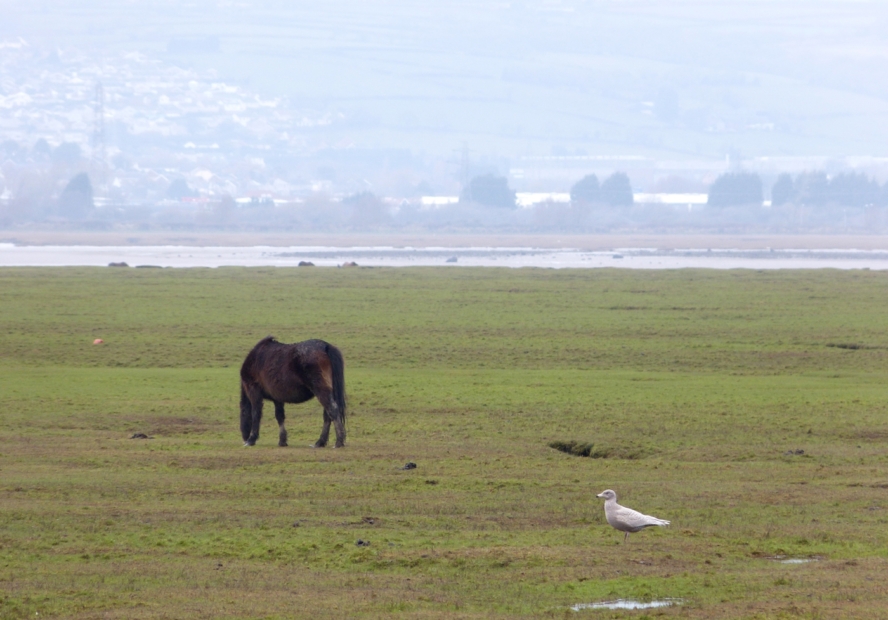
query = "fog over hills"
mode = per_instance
[
  {"x": 403, "y": 98},
  {"x": 673, "y": 77}
]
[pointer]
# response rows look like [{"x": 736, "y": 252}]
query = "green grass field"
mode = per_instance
[{"x": 692, "y": 386}]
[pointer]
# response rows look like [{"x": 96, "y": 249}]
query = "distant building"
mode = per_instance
[
  {"x": 528, "y": 199},
  {"x": 691, "y": 201},
  {"x": 436, "y": 202}
]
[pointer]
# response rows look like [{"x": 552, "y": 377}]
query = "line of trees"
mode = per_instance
[
  {"x": 614, "y": 191},
  {"x": 494, "y": 191},
  {"x": 848, "y": 189},
  {"x": 816, "y": 189}
]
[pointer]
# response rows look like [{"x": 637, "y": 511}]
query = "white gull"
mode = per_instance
[{"x": 625, "y": 519}]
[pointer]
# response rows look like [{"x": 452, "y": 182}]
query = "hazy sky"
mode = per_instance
[{"x": 690, "y": 79}]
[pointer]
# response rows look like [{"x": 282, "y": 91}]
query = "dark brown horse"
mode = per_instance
[{"x": 292, "y": 373}]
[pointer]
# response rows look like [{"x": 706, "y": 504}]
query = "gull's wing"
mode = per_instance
[{"x": 624, "y": 519}]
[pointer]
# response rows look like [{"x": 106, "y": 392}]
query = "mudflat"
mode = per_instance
[{"x": 580, "y": 242}]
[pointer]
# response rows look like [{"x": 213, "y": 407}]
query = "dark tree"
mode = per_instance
[
  {"x": 853, "y": 190},
  {"x": 812, "y": 189},
  {"x": 616, "y": 190},
  {"x": 76, "y": 199},
  {"x": 489, "y": 190},
  {"x": 179, "y": 189},
  {"x": 586, "y": 190},
  {"x": 735, "y": 189},
  {"x": 783, "y": 191}
]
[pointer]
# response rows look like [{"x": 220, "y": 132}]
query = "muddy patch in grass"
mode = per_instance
[{"x": 871, "y": 434}]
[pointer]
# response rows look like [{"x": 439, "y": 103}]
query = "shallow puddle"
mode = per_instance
[
  {"x": 628, "y": 604},
  {"x": 785, "y": 560}
]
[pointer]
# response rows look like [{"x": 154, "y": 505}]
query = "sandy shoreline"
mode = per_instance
[{"x": 590, "y": 243}]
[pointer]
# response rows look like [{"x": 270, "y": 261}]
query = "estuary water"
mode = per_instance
[{"x": 13, "y": 255}]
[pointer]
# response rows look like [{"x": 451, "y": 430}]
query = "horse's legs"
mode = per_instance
[
  {"x": 325, "y": 432},
  {"x": 339, "y": 424},
  {"x": 279, "y": 415},
  {"x": 331, "y": 414},
  {"x": 256, "y": 401}
]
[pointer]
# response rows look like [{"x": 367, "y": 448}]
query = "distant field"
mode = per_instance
[{"x": 749, "y": 408}]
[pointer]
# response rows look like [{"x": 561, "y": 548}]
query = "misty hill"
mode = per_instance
[{"x": 665, "y": 80}]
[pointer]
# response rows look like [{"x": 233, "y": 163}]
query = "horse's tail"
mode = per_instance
[
  {"x": 246, "y": 415},
  {"x": 338, "y": 367}
]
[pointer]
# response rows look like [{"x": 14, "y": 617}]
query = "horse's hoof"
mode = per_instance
[
  {"x": 248, "y": 444},
  {"x": 282, "y": 445}
]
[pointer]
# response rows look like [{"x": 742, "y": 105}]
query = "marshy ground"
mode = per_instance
[{"x": 748, "y": 408}]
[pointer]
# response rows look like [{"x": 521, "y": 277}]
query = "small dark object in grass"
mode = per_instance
[
  {"x": 120, "y": 264},
  {"x": 368, "y": 520},
  {"x": 431, "y": 482},
  {"x": 306, "y": 263},
  {"x": 452, "y": 259},
  {"x": 362, "y": 543},
  {"x": 578, "y": 449},
  {"x": 798, "y": 452},
  {"x": 851, "y": 346},
  {"x": 409, "y": 466},
  {"x": 140, "y": 436}
]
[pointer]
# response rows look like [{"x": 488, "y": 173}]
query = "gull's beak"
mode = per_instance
[{"x": 599, "y": 495}]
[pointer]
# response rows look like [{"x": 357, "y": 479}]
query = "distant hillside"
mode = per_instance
[{"x": 674, "y": 80}]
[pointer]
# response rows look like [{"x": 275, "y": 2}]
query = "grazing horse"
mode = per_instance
[{"x": 292, "y": 373}]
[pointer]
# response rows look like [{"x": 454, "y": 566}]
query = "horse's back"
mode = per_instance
[{"x": 288, "y": 372}]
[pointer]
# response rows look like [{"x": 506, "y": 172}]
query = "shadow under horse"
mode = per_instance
[{"x": 292, "y": 373}]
